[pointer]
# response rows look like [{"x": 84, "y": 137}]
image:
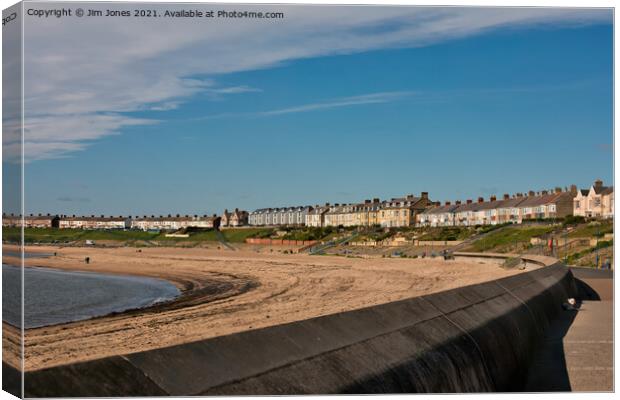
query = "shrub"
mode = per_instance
[{"x": 570, "y": 220}]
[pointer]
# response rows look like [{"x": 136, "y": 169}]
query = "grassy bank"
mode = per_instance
[
  {"x": 506, "y": 239},
  {"x": 49, "y": 235},
  {"x": 593, "y": 229}
]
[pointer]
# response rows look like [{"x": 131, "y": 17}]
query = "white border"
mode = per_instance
[{"x": 495, "y": 3}]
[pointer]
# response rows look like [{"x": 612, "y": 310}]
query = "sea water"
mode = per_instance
[{"x": 54, "y": 296}]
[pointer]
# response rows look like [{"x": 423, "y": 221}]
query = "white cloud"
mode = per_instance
[
  {"x": 371, "y": 98},
  {"x": 83, "y": 75}
]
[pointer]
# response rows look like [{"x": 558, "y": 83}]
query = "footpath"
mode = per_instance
[{"x": 577, "y": 354}]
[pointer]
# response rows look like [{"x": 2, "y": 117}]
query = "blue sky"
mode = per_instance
[{"x": 510, "y": 108}]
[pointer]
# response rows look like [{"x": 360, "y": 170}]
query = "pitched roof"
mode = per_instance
[
  {"x": 401, "y": 202},
  {"x": 534, "y": 201},
  {"x": 442, "y": 209},
  {"x": 174, "y": 219},
  {"x": 601, "y": 189},
  {"x": 93, "y": 218}
]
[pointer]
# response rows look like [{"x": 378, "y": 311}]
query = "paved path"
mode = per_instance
[
  {"x": 222, "y": 239},
  {"x": 578, "y": 351}
]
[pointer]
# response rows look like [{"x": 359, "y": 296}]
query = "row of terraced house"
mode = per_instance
[
  {"x": 146, "y": 223},
  {"x": 397, "y": 212},
  {"x": 596, "y": 202}
]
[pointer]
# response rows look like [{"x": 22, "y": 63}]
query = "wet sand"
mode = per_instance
[{"x": 224, "y": 292}]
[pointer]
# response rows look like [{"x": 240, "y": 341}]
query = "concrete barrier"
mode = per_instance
[{"x": 471, "y": 339}]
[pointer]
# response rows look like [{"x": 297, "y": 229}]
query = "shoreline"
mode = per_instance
[{"x": 253, "y": 290}]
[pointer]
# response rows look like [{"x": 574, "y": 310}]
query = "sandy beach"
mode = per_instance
[{"x": 224, "y": 292}]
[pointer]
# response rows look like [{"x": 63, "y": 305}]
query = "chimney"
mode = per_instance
[
  {"x": 458, "y": 202},
  {"x": 544, "y": 193},
  {"x": 376, "y": 200},
  {"x": 480, "y": 200},
  {"x": 506, "y": 196},
  {"x": 573, "y": 189},
  {"x": 236, "y": 209},
  {"x": 447, "y": 203},
  {"x": 336, "y": 204},
  {"x": 469, "y": 201},
  {"x": 437, "y": 203},
  {"x": 598, "y": 183},
  {"x": 366, "y": 201},
  {"x": 424, "y": 195},
  {"x": 492, "y": 198},
  {"x": 101, "y": 215},
  {"x": 178, "y": 215},
  {"x": 531, "y": 193},
  {"x": 326, "y": 204},
  {"x": 558, "y": 189}
]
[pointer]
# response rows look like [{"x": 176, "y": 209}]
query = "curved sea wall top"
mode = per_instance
[{"x": 472, "y": 339}]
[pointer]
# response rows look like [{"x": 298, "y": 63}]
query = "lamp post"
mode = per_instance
[{"x": 565, "y": 248}]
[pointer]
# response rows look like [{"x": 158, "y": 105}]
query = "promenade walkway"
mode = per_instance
[{"x": 578, "y": 351}]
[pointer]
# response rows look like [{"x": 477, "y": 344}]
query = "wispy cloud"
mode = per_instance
[
  {"x": 89, "y": 91},
  {"x": 371, "y": 98},
  {"x": 68, "y": 199},
  {"x": 234, "y": 90}
]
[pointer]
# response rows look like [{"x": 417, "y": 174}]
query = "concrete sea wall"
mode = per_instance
[{"x": 473, "y": 339}]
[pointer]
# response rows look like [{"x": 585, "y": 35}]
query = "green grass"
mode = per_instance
[
  {"x": 308, "y": 233},
  {"x": 572, "y": 258},
  {"x": 448, "y": 233},
  {"x": 592, "y": 229},
  {"x": 238, "y": 235},
  {"x": 48, "y": 235},
  {"x": 501, "y": 240}
]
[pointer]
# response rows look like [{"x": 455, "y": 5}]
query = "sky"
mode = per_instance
[{"x": 329, "y": 104}]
